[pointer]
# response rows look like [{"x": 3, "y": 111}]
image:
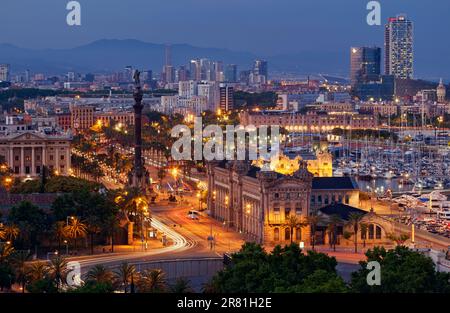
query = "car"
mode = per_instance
[{"x": 193, "y": 216}]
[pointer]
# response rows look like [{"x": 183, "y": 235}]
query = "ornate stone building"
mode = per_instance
[
  {"x": 26, "y": 152},
  {"x": 441, "y": 92},
  {"x": 259, "y": 202}
]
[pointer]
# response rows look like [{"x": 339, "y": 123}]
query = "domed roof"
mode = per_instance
[{"x": 441, "y": 85}]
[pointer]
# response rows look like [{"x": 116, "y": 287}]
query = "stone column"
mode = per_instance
[
  {"x": 44, "y": 156},
  {"x": 68, "y": 161},
  {"x": 33, "y": 163},
  {"x": 11, "y": 157},
  {"x": 22, "y": 163},
  {"x": 57, "y": 159}
]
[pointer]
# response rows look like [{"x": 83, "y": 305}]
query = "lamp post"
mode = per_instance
[
  {"x": 199, "y": 196},
  {"x": 54, "y": 253},
  {"x": 227, "y": 212},
  {"x": 67, "y": 219},
  {"x": 67, "y": 246}
]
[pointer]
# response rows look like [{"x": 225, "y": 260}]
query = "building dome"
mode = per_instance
[{"x": 441, "y": 92}]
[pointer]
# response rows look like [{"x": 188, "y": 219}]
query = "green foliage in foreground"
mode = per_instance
[
  {"x": 252, "y": 270},
  {"x": 402, "y": 271},
  {"x": 283, "y": 270}
]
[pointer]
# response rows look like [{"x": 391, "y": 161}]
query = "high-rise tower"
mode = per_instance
[{"x": 398, "y": 44}]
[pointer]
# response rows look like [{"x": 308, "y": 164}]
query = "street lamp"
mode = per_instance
[
  {"x": 226, "y": 208},
  {"x": 67, "y": 246},
  {"x": 67, "y": 219},
  {"x": 54, "y": 253},
  {"x": 248, "y": 207},
  {"x": 199, "y": 196}
]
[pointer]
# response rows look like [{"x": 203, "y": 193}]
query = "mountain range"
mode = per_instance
[{"x": 108, "y": 55}]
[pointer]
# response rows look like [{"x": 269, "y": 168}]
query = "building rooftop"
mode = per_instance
[
  {"x": 342, "y": 210},
  {"x": 330, "y": 183}
]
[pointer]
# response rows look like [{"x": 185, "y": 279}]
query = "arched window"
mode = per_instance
[
  {"x": 378, "y": 232},
  {"x": 287, "y": 234},
  {"x": 276, "y": 234},
  {"x": 371, "y": 231},
  {"x": 363, "y": 235},
  {"x": 298, "y": 234}
]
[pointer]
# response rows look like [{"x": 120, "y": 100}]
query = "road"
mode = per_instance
[
  {"x": 189, "y": 238},
  {"x": 179, "y": 244}
]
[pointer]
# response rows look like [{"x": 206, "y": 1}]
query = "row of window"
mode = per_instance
[
  {"x": 287, "y": 211},
  {"x": 38, "y": 169},
  {"x": 38, "y": 157},
  {"x": 289, "y": 195},
  {"x": 287, "y": 234},
  {"x": 326, "y": 199},
  {"x": 373, "y": 232}
]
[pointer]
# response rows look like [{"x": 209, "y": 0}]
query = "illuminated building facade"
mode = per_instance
[
  {"x": 259, "y": 203},
  {"x": 314, "y": 122},
  {"x": 27, "y": 152}
]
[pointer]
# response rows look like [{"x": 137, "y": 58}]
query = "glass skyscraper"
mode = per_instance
[{"x": 365, "y": 64}]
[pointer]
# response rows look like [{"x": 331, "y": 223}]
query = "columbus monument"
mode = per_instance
[{"x": 139, "y": 176}]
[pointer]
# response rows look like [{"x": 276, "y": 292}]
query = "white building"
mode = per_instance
[{"x": 4, "y": 72}]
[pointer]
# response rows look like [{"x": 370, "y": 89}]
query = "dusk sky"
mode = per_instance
[{"x": 264, "y": 27}]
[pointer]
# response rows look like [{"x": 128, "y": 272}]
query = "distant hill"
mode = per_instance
[
  {"x": 108, "y": 55},
  {"x": 112, "y": 55}
]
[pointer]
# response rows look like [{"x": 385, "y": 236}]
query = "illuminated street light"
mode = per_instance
[{"x": 248, "y": 206}]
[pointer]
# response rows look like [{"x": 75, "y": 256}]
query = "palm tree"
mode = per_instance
[
  {"x": 11, "y": 232},
  {"x": 354, "y": 220},
  {"x": 37, "y": 271},
  {"x": 151, "y": 281},
  {"x": 57, "y": 271},
  {"x": 6, "y": 250},
  {"x": 364, "y": 228},
  {"x": 161, "y": 175},
  {"x": 294, "y": 222},
  {"x": 2, "y": 234},
  {"x": 59, "y": 231},
  {"x": 398, "y": 239},
  {"x": 18, "y": 261},
  {"x": 333, "y": 223},
  {"x": 100, "y": 274},
  {"x": 76, "y": 229},
  {"x": 124, "y": 275},
  {"x": 182, "y": 285},
  {"x": 314, "y": 221}
]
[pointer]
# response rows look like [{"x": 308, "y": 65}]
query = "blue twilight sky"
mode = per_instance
[{"x": 264, "y": 27}]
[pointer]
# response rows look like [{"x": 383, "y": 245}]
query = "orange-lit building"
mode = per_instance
[{"x": 310, "y": 122}]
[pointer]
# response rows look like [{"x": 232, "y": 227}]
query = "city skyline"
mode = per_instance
[{"x": 271, "y": 36}]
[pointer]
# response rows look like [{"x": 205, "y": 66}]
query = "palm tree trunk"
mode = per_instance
[
  {"x": 356, "y": 239},
  {"x": 112, "y": 241},
  {"x": 92, "y": 243}
]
